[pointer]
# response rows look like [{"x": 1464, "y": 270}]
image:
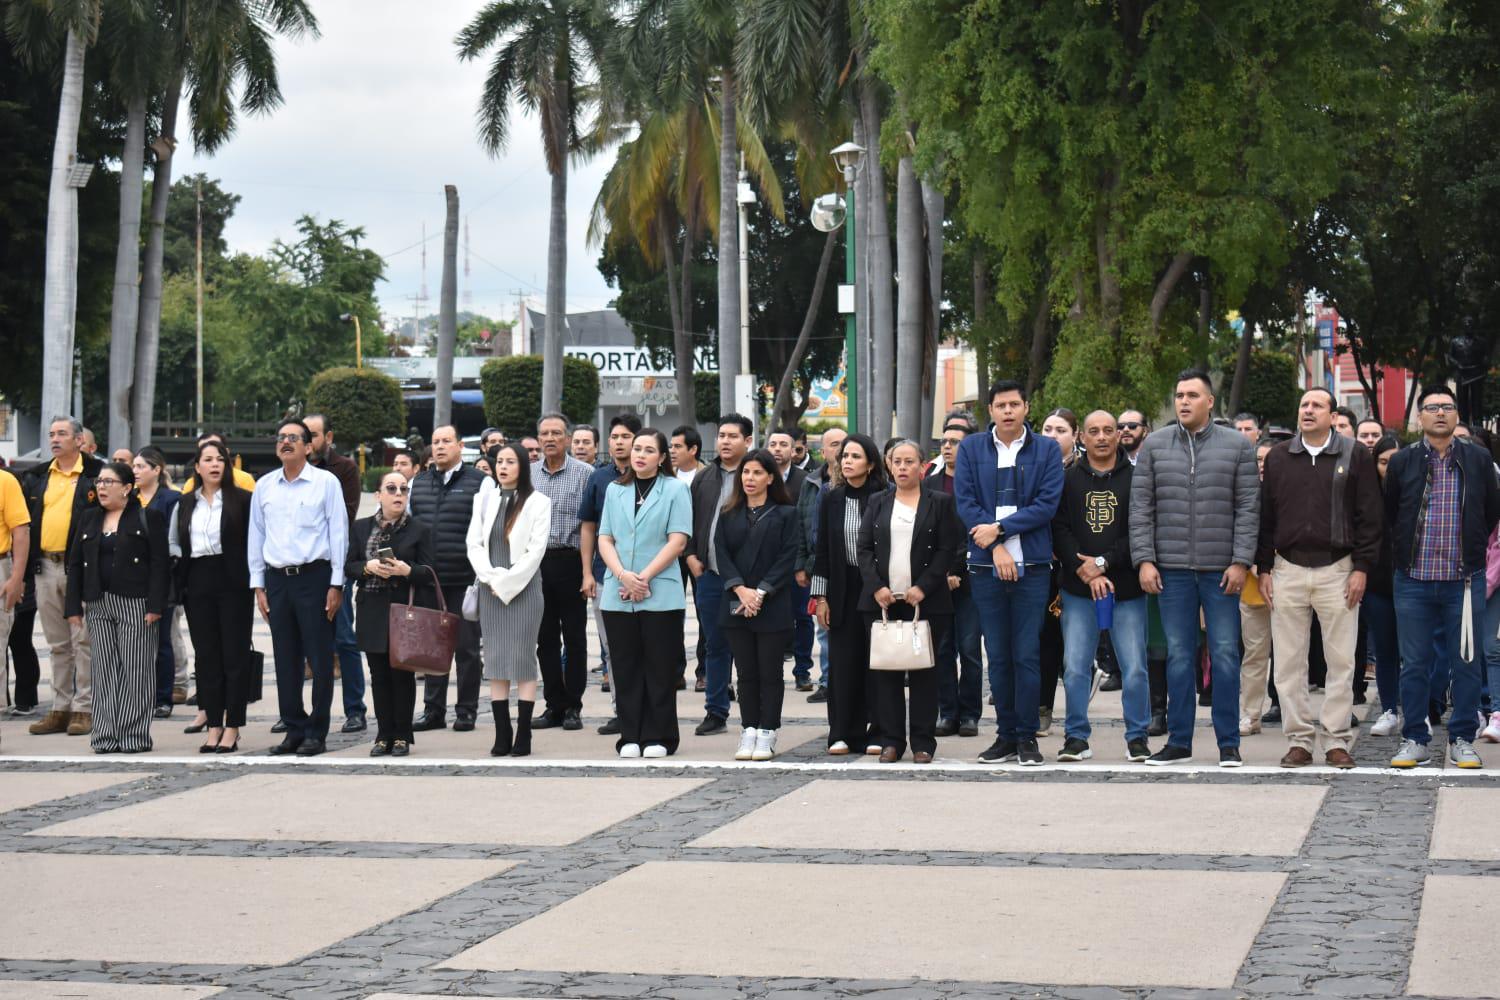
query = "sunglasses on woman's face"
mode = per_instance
[{"x": 395, "y": 490}]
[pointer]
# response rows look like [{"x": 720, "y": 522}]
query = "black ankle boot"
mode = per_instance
[
  {"x": 522, "y": 747},
  {"x": 501, "y": 710}
]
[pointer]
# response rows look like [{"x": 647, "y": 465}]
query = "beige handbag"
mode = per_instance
[{"x": 901, "y": 645}]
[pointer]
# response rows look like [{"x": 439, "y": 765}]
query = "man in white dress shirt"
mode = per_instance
[{"x": 299, "y": 538}]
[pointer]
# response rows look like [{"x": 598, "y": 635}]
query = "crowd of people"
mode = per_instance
[{"x": 1205, "y": 563}]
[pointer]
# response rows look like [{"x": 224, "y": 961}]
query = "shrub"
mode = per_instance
[
  {"x": 706, "y": 405},
  {"x": 513, "y": 392},
  {"x": 373, "y": 475},
  {"x": 362, "y": 405},
  {"x": 1271, "y": 391}
]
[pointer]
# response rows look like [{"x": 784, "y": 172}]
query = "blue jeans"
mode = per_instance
[
  {"x": 166, "y": 660},
  {"x": 1184, "y": 593},
  {"x": 960, "y": 662},
  {"x": 1380, "y": 625},
  {"x": 351, "y": 667},
  {"x": 1010, "y": 614},
  {"x": 1422, "y": 607},
  {"x": 1080, "y": 640},
  {"x": 822, "y": 656},
  {"x": 802, "y": 637},
  {"x": 709, "y": 593}
]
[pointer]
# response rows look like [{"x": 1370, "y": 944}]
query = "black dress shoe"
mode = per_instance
[
  {"x": 610, "y": 728},
  {"x": 463, "y": 724},
  {"x": 546, "y": 721},
  {"x": 699, "y": 685},
  {"x": 279, "y": 727},
  {"x": 400, "y": 748},
  {"x": 969, "y": 728},
  {"x": 711, "y": 725},
  {"x": 571, "y": 722},
  {"x": 429, "y": 721},
  {"x": 819, "y": 696},
  {"x": 311, "y": 748},
  {"x": 354, "y": 724},
  {"x": 381, "y": 748},
  {"x": 1111, "y": 682},
  {"x": 946, "y": 727},
  {"x": 1273, "y": 714},
  {"x": 285, "y": 747},
  {"x": 804, "y": 685},
  {"x": 1158, "y": 726},
  {"x": 195, "y": 729},
  {"x": 162, "y": 712}
]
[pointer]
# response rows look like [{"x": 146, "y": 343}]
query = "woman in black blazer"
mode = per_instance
[
  {"x": 836, "y": 587},
  {"x": 209, "y": 537},
  {"x": 383, "y": 581},
  {"x": 909, "y": 542},
  {"x": 117, "y": 576},
  {"x": 756, "y": 545}
]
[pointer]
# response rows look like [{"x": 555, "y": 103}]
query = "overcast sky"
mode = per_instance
[{"x": 378, "y": 116}]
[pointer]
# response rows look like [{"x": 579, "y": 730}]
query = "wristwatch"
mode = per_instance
[{"x": 1101, "y": 562}]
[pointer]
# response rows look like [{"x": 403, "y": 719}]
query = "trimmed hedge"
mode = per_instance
[
  {"x": 513, "y": 392},
  {"x": 1271, "y": 391},
  {"x": 706, "y": 405},
  {"x": 362, "y": 405},
  {"x": 373, "y": 475}
]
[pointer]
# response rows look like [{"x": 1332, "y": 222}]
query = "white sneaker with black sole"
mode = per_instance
[{"x": 747, "y": 744}]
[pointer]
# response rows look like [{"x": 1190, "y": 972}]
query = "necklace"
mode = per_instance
[{"x": 642, "y": 494}]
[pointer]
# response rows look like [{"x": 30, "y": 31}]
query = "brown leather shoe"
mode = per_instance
[
  {"x": 921, "y": 757},
  {"x": 889, "y": 755},
  {"x": 179, "y": 695},
  {"x": 52, "y": 722},
  {"x": 1296, "y": 757},
  {"x": 80, "y": 724},
  {"x": 1339, "y": 757}
]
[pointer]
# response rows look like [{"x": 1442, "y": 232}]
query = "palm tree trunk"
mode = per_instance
[
  {"x": 688, "y": 394},
  {"x": 729, "y": 244},
  {"x": 1241, "y": 368},
  {"x": 781, "y": 407},
  {"x": 911, "y": 300},
  {"x": 124, "y": 309},
  {"x": 682, "y": 341},
  {"x": 148, "y": 330},
  {"x": 933, "y": 210},
  {"x": 983, "y": 295},
  {"x": 882, "y": 315},
  {"x": 442, "y": 402},
  {"x": 62, "y": 257},
  {"x": 862, "y": 283},
  {"x": 557, "y": 291}
]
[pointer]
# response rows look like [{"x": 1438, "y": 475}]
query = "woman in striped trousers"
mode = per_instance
[{"x": 117, "y": 578}]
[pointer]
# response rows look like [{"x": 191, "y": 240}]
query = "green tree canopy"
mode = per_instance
[
  {"x": 362, "y": 404},
  {"x": 513, "y": 389}
]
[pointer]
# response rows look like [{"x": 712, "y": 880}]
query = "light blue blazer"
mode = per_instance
[{"x": 639, "y": 536}]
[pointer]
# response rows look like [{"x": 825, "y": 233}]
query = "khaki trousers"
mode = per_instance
[
  {"x": 72, "y": 687},
  {"x": 1255, "y": 664},
  {"x": 7, "y": 617},
  {"x": 1298, "y": 593}
]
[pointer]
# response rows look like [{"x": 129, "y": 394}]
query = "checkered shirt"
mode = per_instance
[
  {"x": 1440, "y": 542},
  {"x": 565, "y": 488}
]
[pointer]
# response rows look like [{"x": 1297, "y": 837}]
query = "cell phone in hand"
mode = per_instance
[
  {"x": 736, "y": 607},
  {"x": 385, "y": 555}
]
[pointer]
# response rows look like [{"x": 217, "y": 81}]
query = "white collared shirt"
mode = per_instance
[
  {"x": 204, "y": 527},
  {"x": 1006, "y": 454},
  {"x": 297, "y": 521}
]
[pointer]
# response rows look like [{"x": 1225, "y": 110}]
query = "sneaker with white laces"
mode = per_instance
[
  {"x": 1388, "y": 724},
  {"x": 630, "y": 750},
  {"x": 765, "y": 744},
  {"x": 1461, "y": 753},
  {"x": 747, "y": 744},
  {"x": 1412, "y": 754},
  {"x": 1491, "y": 732},
  {"x": 654, "y": 750}
]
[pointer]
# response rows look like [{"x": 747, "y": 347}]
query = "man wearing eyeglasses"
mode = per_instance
[
  {"x": 1441, "y": 503},
  {"x": 1133, "y": 430},
  {"x": 298, "y": 539}
]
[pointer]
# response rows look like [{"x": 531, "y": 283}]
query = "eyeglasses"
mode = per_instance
[
  {"x": 296, "y": 438},
  {"x": 393, "y": 489},
  {"x": 110, "y": 481},
  {"x": 1129, "y": 425},
  {"x": 1438, "y": 408}
]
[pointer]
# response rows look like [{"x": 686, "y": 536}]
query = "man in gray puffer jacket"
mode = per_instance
[{"x": 1194, "y": 521}]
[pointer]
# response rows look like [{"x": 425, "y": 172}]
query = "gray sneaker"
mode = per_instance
[
  {"x": 1413, "y": 754},
  {"x": 1461, "y": 753}
]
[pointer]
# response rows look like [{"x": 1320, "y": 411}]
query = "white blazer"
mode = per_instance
[{"x": 528, "y": 543}]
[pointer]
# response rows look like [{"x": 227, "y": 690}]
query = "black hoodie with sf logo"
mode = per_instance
[{"x": 1093, "y": 519}]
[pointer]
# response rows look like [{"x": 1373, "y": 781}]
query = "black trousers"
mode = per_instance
[
  {"x": 219, "y": 617},
  {"x": 395, "y": 694},
  {"x": 851, "y": 701},
  {"x": 564, "y": 629},
  {"x": 1052, "y": 652},
  {"x": 301, "y": 632},
  {"x": 891, "y": 689},
  {"x": 23, "y": 658},
  {"x": 469, "y": 667},
  {"x": 757, "y": 660},
  {"x": 644, "y": 667}
]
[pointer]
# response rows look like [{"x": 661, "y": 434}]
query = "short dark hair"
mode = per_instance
[
  {"x": 745, "y": 425},
  {"x": 798, "y": 433},
  {"x": 1440, "y": 389},
  {"x": 690, "y": 437},
  {"x": 780, "y": 430},
  {"x": 409, "y": 454},
  {"x": 1190, "y": 374},
  {"x": 776, "y": 491},
  {"x": 1342, "y": 411},
  {"x": 294, "y": 422},
  {"x": 1370, "y": 420},
  {"x": 1387, "y": 442},
  {"x": 1004, "y": 385},
  {"x": 122, "y": 470},
  {"x": 1247, "y": 416},
  {"x": 629, "y": 421},
  {"x": 322, "y": 418},
  {"x": 593, "y": 432}
]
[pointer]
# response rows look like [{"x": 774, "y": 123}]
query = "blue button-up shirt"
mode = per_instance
[
  {"x": 297, "y": 521},
  {"x": 1439, "y": 553},
  {"x": 591, "y": 507}
]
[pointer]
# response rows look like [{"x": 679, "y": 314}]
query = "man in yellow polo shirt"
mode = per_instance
[
  {"x": 15, "y": 548},
  {"x": 55, "y": 493}
]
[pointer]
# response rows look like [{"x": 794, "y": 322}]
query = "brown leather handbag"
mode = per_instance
[{"x": 422, "y": 640}]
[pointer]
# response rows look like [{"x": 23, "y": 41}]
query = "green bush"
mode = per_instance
[
  {"x": 373, "y": 475},
  {"x": 1271, "y": 391},
  {"x": 706, "y": 405},
  {"x": 362, "y": 405},
  {"x": 513, "y": 392}
]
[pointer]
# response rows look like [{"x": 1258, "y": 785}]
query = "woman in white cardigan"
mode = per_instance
[{"x": 507, "y": 539}]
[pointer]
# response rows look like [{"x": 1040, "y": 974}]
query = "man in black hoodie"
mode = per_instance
[{"x": 1091, "y": 534}]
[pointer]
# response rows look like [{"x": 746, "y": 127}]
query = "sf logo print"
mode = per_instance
[{"x": 1099, "y": 511}]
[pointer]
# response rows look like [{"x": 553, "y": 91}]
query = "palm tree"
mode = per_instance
[{"x": 544, "y": 50}]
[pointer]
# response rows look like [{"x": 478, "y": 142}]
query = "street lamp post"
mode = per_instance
[{"x": 848, "y": 156}]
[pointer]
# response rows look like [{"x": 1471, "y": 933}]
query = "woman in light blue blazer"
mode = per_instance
[{"x": 645, "y": 526}]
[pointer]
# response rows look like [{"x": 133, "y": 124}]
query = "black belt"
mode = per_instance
[
  {"x": 562, "y": 548},
  {"x": 299, "y": 570}
]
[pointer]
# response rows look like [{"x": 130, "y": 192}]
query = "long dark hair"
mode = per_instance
[
  {"x": 628, "y": 477},
  {"x": 776, "y": 491},
  {"x": 218, "y": 446},
  {"x": 872, "y": 455},
  {"x": 523, "y": 478}
]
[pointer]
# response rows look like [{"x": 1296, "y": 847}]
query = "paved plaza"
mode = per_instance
[{"x": 574, "y": 874}]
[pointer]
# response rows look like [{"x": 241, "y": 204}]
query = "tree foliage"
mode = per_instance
[
  {"x": 362, "y": 404},
  {"x": 513, "y": 387},
  {"x": 1271, "y": 391}
]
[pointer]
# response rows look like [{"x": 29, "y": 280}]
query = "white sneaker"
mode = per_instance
[
  {"x": 1247, "y": 727},
  {"x": 765, "y": 744},
  {"x": 1491, "y": 732},
  {"x": 747, "y": 744},
  {"x": 1388, "y": 724},
  {"x": 630, "y": 750},
  {"x": 654, "y": 750},
  {"x": 838, "y": 748}
]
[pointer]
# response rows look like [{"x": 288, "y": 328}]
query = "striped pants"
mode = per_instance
[{"x": 124, "y": 662}]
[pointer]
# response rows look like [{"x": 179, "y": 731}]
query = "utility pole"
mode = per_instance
[
  {"x": 198, "y": 322},
  {"x": 744, "y": 382}
]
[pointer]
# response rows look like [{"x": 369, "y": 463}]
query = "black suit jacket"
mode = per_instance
[
  {"x": 795, "y": 477},
  {"x": 140, "y": 564},
  {"x": 234, "y": 535},
  {"x": 937, "y": 540},
  {"x": 829, "y": 561},
  {"x": 763, "y": 557},
  {"x": 412, "y": 545},
  {"x": 34, "y": 486}
]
